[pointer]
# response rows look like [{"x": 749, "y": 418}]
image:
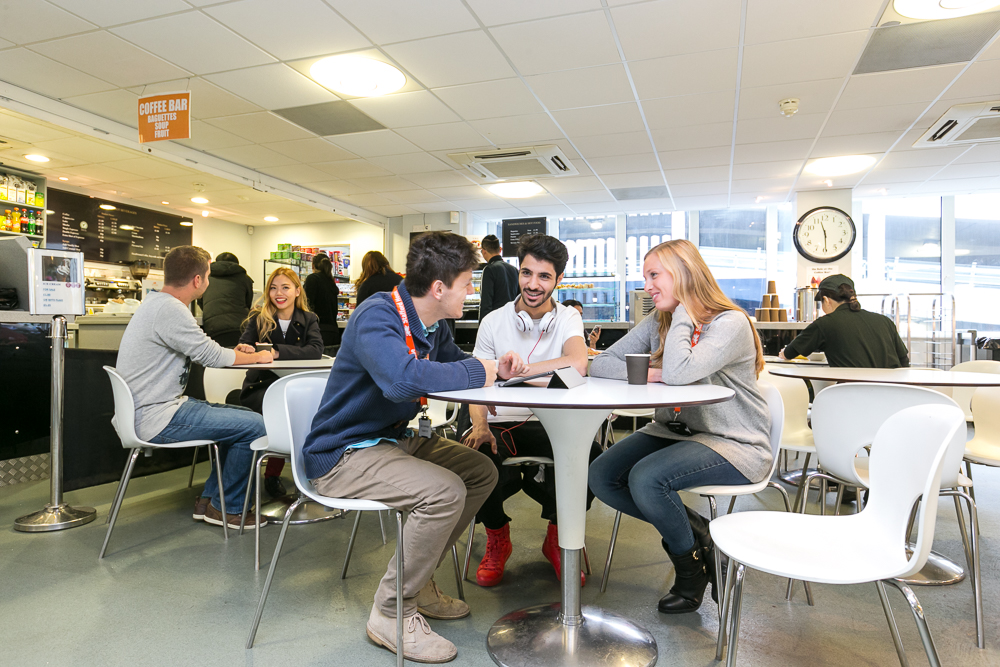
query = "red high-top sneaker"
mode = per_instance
[
  {"x": 551, "y": 550},
  {"x": 498, "y": 550}
]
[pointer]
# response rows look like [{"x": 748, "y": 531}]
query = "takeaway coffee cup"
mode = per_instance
[
  {"x": 260, "y": 347},
  {"x": 637, "y": 367}
]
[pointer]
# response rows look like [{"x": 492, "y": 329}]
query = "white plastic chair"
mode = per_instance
[
  {"x": 963, "y": 395},
  {"x": 218, "y": 382},
  {"x": 124, "y": 423},
  {"x": 846, "y": 419},
  {"x": 984, "y": 448},
  {"x": 909, "y": 453},
  {"x": 796, "y": 436},
  {"x": 439, "y": 414}
]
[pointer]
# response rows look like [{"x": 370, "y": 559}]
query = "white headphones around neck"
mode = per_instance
[{"x": 524, "y": 324}]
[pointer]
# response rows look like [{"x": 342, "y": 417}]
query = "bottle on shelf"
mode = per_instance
[{"x": 5, "y": 222}]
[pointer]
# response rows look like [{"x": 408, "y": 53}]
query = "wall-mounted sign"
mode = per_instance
[
  {"x": 165, "y": 116},
  {"x": 513, "y": 230}
]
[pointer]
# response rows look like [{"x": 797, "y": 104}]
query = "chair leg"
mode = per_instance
[
  {"x": 840, "y": 498},
  {"x": 791, "y": 582},
  {"x": 119, "y": 498},
  {"x": 893, "y": 630},
  {"x": 468, "y": 548},
  {"x": 350, "y": 544},
  {"x": 270, "y": 571},
  {"x": 860, "y": 491},
  {"x": 918, "y": 617},
  {"x": 737, "y": 607},
  {"x": 256, "y": 513},
  {"x": 120, "y": 490},
  {"x": 257, "y": 456},
  {"x": 458, "y": 572},
  {"x": 382, "y": 528},
  {"x": 586, "y": 561},
  {"x": 822, "y": 496},
  {"x": 611, "y": 551},
  {"x": 400, "y": 650},
  {"x": 720, "y": 646},
  {"x": 968, "y": 473},
  {"x": 214, "y": 447},
  {"x": 970, "y": 540},
  {"x": 803, "y": 485},
  {"x": 194, "y": 462},
  {"x": 732, "y": 505}
]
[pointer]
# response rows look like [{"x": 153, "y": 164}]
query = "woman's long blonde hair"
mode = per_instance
[
  {"x": 695, "y": 288},
  {"x": 264, "y": 310}
]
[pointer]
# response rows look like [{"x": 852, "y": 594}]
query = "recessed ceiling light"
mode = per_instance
[
  {"x": 108, "y": 207},
  {"x": 36, "y": 158},
  {"x": 204, "y": 214},
  {"x": 187, "y": 223},
  {"x": 942, "y": 9},
  {"x": 596, "y": 225},
  {"x": 63, "y": 178},
  {"x": 357, "y": 76},
  {"x": 270, "y": 218},
  {"x": 127, "y": 228},
  {"x": 199, "y": 200},
  {"x": 828, "y": 183},
  {"x": 516, "y": 189},
  {"x": 164, "y": 203},
  {"x": 759, "y": 199},
  {"x": 840, "y": 166}
]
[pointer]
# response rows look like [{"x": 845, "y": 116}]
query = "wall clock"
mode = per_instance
[{"x": 824, "y": 234}]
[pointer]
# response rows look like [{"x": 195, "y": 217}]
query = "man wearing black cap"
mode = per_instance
[{"x": 850, "y": 336}]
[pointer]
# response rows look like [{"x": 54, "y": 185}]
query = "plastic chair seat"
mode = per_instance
[
  {"x": 846, "y": 549},
  {"x": 262, "y": 444},
  {"x": 528, "y": 460},
  {"x": 801, "y": 441},
  {"x": 731, "y": 490},
  {"x": 947, "y": 482},
  {"x": 983, "y": 453}
]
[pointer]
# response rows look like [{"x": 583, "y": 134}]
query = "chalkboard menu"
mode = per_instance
[
  {"x": 120, "y": 235},
  {"x": 513, "y": 230}
]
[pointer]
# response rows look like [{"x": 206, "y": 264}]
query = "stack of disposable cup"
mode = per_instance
[{"x": 770, "y": 308}]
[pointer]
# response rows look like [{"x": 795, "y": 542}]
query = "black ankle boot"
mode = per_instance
[
  {"x": 699, "y": 526},
  {"x": 691, "y": 579}
]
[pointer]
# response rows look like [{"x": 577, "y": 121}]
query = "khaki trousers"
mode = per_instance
[{"x": 440, "y": 483}]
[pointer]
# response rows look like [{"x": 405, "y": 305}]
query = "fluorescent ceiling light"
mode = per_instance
[
  {"x": 942, "y": 9},
  {"x": 840, "y": 166},
  {"x": 199, "y": 200},
  {"x": 36, "y": 158},
  {"x": 165, "y": 203},
  {"x": 204, "y": 214},
  {"x": 109, "y": 207},
  {"x": 127, "y": 228},
  {"x": 270, "y": 218},
  {"x": 516, "y": 189},
  {"x": 187, "y": 223},
  {"x": 63, "y": 178},
  {"x": 357, "y": 76}
]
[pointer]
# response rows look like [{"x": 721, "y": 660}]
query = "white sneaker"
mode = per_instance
[{"x": 420, "y": 643}]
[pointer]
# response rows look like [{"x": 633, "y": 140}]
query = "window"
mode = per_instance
[
  {"x": 592, "y": 271},
  {"x": 900, "y": 241},
  {"x": 733, "y": 243},
  {"x": 977, "y": 262},
  {"x": 645, "y": 231}
]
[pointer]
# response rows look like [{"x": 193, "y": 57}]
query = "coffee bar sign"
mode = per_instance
[{"x": 165, "y": 116}]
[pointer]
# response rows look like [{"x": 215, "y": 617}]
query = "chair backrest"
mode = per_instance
[
  {"x": 776, "y": 407},
  {"x": 910, "y": 453},
  {"x": 439, "y": 413},
  {"x": 846, "y": 417},
  {"x": 795, "y": 397},
  {"x": 124, "y": 419},
  {"x": 986, "y": 410},
  {"x": 220, "y": 381},
  {"x": 302, "y": 398},
  {"x": 963, "y": 395},
  {"x": 278, "y": 438}
]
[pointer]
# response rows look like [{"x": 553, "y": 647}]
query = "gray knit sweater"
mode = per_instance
[{"x": 738, "y": 430}]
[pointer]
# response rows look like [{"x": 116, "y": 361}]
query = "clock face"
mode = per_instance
[{"x": 824, "y": 234}]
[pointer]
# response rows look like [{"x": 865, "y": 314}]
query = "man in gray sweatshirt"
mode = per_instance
[{"x": 160, "y": 342}]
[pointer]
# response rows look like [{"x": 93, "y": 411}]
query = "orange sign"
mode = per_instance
[{"x": 166, "y": 116}]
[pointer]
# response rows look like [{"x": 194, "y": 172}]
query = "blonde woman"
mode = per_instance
[
  {"x": 695, "y": 336},
  {"x": 282, "y": 319}
]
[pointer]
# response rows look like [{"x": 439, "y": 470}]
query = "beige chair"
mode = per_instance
[
  {"x": 963, "y": 395},
  {"x": 984, "y": 448},
  {"x": 796, "y": 435}
]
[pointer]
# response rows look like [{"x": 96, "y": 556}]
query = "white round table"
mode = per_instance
[
  {"x": 283, "y": 367},
  {"x": 566, "y": 632}
]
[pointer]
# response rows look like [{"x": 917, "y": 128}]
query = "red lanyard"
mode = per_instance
[
  {"x": 406, "y": 329},
  {"x": 695, "y": 337}
]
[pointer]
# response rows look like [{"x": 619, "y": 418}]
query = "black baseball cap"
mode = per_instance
[{"x": 833, "y": 282}]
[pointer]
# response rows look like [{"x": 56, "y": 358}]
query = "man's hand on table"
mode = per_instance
[{"x": 511, "y": 365}]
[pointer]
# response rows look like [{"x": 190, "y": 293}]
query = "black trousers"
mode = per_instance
[{"x": 529, "y": 439}]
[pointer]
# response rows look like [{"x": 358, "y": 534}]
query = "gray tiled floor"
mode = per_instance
[{"x": 170, "y": 592}]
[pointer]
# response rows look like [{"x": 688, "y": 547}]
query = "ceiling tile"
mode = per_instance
[
  {"x": 825, "y": 57},
  {"x": 875, "y": 119},
  {"x": 783, "y": 169},
  {"x": 698, "y": 189},
  {"x": 104, "y": 174},
  {"x": 436, "y": 61},
  {"x": 705, "y": 203},
  {"x": 435, "y": 207},
  {"x": 777, "y": 20},
  {"x": 567, "y": 184},
  {"x": 118, "y": 105},
  {"x": 311, "y": 150},
  {"x": 624, "y": 164},
  {"x": 636, "y": 180},
  {"x": 158, "y": 188},
  {"x": 335, "y": 188},
  {"x": 406, "y": 109},
  {"x": 439, "y": 179},
  {"x": 413, "y": 196},
  {"x": 206, "y": 183},
  {"x": 566, "y": 42},
  {"x": 591, "y": 121},
  {"x": 351, "y": 169},
  {"x": 195, "y": 42},
  {"x": 694, "y": 136},
  {"x": 697, "y": 175},
  {"x": 110, "y": 58},
  {"x": 254, "y": 157},
  {"x": 410, "y": 163},
  {"x": 898, "y": 87},
  {"x": 774, "y": 151},
  {"x": 697, "y": 157},
  {"x": 383, "y": 183},
  {"x": 114, "y": 12},
  {"x": 921, "y": 157},
  {"x": 686, "y": 74},
  {"x": 627, "y": 143},
  {"x": 375, "y": 144},
  {"x": 854, "y": 144},
  {"x": 461, "y": 192},
  {"x": 880, "y": 175},
  {"x": 149, "y": 167},
  {"x": 760, "y": 185},
  {"x": 275, "y": 86},
  {"x": 392, "y": 210},
  {"x": 588, "y": 197},
  {"x": 981, "y": 153},
  {"x": 979, "y": 80},
  {"x": 260, "y": 127},
  {"x": 330, "y": 118},
  {"x": 814, "y": 97},
  {"x": 91, "y": 150},
  {"x": 534, "y": 128},
  {"x": 207, "y": 99},
  {"x": 317, "y": 29},
  {"x": 26, "y": 21},
  {"x": 369, "y": 200},
  {"x": 586, "y": 87},
  {"x": 205, "y": 137},
  {"x": 47, "y": 77},
  {"x": 446, "y": 136},
  {"x": 779, "y": 128},
  {"x": 490, "y": 99},
  {"x": 641, "y": 27},
  {"x": 511, "y": 11},
  {"x": 675, "y": 112},
  {"x": 970, "y": 171},
  {"x": 387, "y": 21}
]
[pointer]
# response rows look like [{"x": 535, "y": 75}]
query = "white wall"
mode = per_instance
[
  {"x": 218, "y": 236},
  {"x": 361, "y": 237},
  {"x": 399, "y": 229}
]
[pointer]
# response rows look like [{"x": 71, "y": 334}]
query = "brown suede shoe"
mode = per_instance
[
  {"x": 432, "y": 603},
  {"x": 200, "y": 506},
  {"x": 420, "y": 643}
]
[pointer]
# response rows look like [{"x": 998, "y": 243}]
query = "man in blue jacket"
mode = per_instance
[{"x": 394, "y": 351}]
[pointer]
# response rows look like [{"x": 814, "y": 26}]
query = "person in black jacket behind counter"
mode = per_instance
[
  {"x": 376, "y": 276},
  {"x": 322, "y": 294},
  {"x": 227, "y": 300},
  {"x": 850, "y": 337},
  {"x": 499, "y": 286},
  {"x": 282, "y": 319}
]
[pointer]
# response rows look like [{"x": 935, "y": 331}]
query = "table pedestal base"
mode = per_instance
[
  {"x": 55, "y": 517},
  {"x": 536, "y": 636},
  {"x": 939, "y": 571},
  {"x": 308, "y": 512}
]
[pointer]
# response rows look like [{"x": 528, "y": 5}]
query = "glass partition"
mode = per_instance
[
  {"x": 733, "y": 243},
  {"x": 592, "y": 276},
  {"x": 977, "y": 262}
]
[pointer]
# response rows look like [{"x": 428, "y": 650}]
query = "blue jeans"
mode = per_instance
[
  {"x": 641, "y": 475},
  {"x": 234, "y": 428}
]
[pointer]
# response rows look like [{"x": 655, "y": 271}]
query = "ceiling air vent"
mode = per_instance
[
  {"x": 516, "y": 163},
  {"x": 964, "y": 124}
]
